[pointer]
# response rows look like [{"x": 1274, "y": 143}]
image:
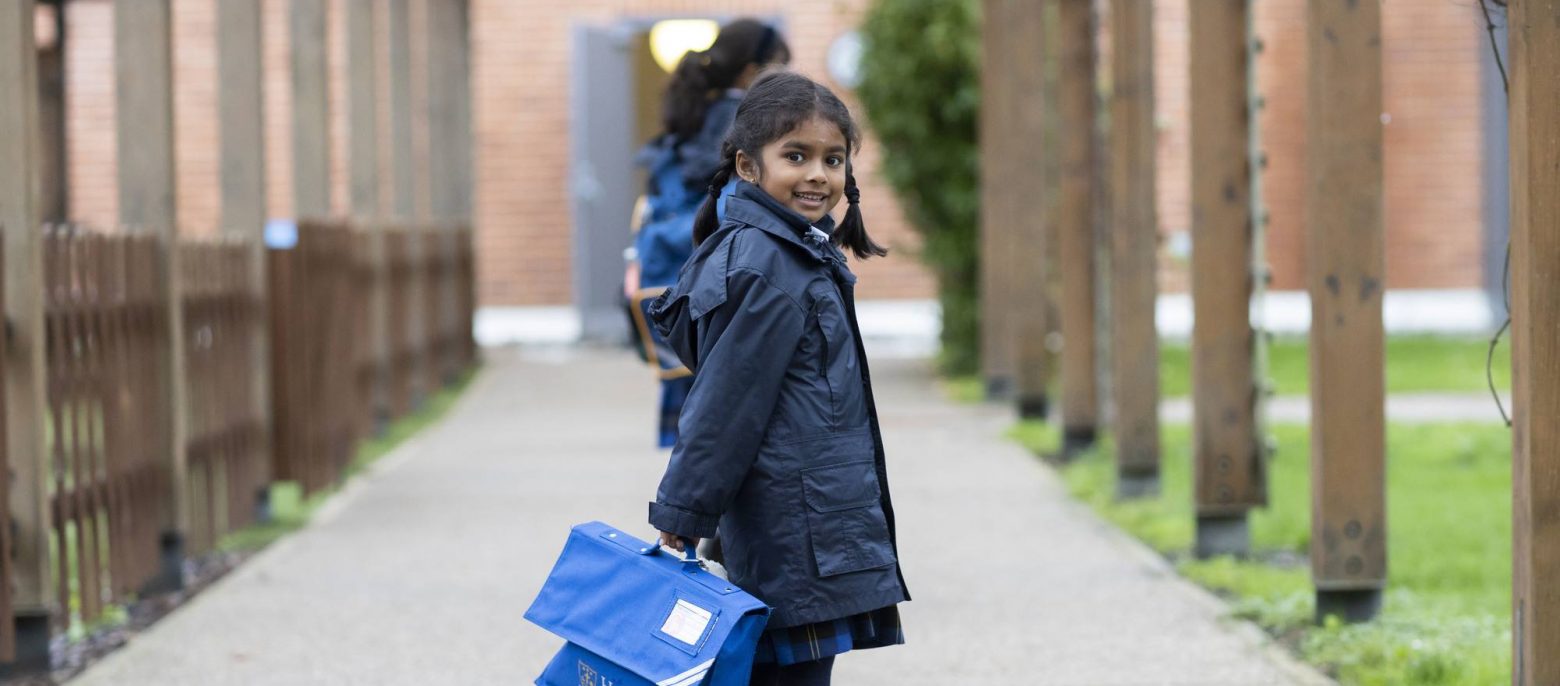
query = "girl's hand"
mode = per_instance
[
  {"x": 671, "y": 540},
  {"x": 631, "y": 281}
]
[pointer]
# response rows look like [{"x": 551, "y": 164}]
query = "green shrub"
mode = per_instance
[{"x": 921, "y": 90}]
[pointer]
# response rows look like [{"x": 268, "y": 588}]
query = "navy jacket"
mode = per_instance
[{"x": 779, "y": 443}]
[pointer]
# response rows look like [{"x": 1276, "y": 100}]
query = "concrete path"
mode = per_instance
[{"x": 418, "y": 573}]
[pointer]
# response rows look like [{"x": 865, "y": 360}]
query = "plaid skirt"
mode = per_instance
[{"x": 790, "y": 645}]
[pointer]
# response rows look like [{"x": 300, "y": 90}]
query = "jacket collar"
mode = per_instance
[{"x": 750, "y": 205}]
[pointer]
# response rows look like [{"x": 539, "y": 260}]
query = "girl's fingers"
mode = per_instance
[{"x": 671, "y": 541}]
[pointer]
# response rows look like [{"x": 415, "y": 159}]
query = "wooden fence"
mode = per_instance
[
  {"x": 110, "y": 480},
  {"x": 327, "y": 371},
  {"x": 138, "y": 407},
  {"x": 430, "y": 278},
  {"x": 229, "y": 467},
  {"x": 111, "y": 477},
  {"x": 7, "y": 628},
  {"x": 317, "y": 309}
]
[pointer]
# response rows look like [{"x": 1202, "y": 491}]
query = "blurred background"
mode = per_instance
[{"x": 564, "y": 93}]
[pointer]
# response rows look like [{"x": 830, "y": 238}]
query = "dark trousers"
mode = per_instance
[{"x": 813, "y": 673}]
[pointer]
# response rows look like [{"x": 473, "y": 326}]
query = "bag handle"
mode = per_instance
[{"x": 689, "y": 550}]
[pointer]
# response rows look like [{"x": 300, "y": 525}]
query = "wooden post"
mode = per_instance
[
  {"x": 996, "y": 228},
  {"x": 26, "y": 491},
  {"x": 1227, "y": 453},
  {"x": 401, "y": 151},
  {"x": 1534, "y": 42},
  {"x": 1028, "y": 201},
  {"x": 449, "y": 148},
  {"x": 1346, "y": 264},
  {"x": 1052, "y": 211},
  {"x": 1134, "y": 242},
  {"x": 1075, "y": 233},
  {"x": 243, "y": 186},
  {"x": 51, "y": 117},
  {"x": 363, "y": 106},
  {"x": 310, "y": 109},
  {"x": 143, "y": 66},
  {"x": 449, "y": 109},
  {"x": 403, "y": 165}
]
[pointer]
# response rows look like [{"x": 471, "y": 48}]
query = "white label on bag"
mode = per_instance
[{"x": 687, "y": 622}]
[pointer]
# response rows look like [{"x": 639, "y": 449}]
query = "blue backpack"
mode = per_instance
[{"x": 665, "y": 239}]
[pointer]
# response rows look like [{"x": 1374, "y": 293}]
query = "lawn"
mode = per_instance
[
  {"x": 1415, "y": 364},
  {"x": 1447, "y": 614}
]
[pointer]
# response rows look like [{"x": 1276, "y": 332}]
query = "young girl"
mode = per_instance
[
  {"x": 698, "y": 107},
  {"x": 780, "y": 444}
]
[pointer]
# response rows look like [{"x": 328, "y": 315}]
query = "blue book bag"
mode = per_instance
[{"x": 634, "y": 614}]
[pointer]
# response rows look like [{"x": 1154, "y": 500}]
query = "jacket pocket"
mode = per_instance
[
  {"x": 845, "y": 521},
  {"x": 841, "y": 368}
]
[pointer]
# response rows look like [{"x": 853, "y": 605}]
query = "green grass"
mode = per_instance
[
  {"x": 1415, "y": 364},
  {"x": 290, "y": 510},
  {"x": 430, "y": 413},
  {"x": 1447, "y": 615},
  {"x": 964, "y": 389}
]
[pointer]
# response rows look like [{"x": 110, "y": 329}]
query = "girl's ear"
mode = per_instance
[{"x": 747, "y": 167}]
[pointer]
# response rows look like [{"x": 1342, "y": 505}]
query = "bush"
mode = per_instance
[{"x": 921, "y": 91}]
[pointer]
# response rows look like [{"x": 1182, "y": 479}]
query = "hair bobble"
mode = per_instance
[{"x": 852, "y": 194}]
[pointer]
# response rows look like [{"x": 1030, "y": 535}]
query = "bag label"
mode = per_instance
[{"x": 687, "y": 622}]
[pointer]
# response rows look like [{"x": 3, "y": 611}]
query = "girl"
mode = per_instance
[
  {"x": 700, "y": 102},
  {"x": 780, "y": 444}
]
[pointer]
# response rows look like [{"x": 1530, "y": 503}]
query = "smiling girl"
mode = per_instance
[{"x": 779, "y": 441}]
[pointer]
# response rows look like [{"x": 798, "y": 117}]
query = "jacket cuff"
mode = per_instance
[{"x": 682, "y": 522}]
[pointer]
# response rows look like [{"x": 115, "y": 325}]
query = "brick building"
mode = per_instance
[{"x": 524, "y": 73}]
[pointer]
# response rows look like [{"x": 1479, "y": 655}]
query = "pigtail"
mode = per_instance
[
  {"x": 707, "y": 221},
  {"x": 687, "y": 96},
  {"x": 852, "y": 232}
]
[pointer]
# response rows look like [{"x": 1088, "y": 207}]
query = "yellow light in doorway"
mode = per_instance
[{"x": 672, "y": 38}]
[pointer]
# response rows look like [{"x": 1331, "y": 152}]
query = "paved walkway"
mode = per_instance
[{"x": 419, "y": 571}]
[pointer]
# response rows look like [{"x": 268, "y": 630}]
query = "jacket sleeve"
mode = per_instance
[{"x": 744, "y": 348}]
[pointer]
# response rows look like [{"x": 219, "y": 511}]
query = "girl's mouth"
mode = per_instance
[{"x": 810, "y": 199}]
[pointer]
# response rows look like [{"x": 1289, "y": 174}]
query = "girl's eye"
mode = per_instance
[
  {"x": 794, "y": 156},
  {"x": 836, "y": 161}
]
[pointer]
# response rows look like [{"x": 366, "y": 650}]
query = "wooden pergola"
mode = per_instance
[{"x": 1346, "y": 265}]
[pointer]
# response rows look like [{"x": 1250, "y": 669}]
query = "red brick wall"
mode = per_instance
[
  {"x": 1433, "y": 146},
  {"x": 521, "y": 81}
]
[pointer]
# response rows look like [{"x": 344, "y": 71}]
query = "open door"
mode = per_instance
[{"x": 602, "y": 185}]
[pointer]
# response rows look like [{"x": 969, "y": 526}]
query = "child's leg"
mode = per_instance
[{"x": 813, "y": 673}]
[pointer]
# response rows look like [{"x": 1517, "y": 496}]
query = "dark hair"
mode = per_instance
[
  {"x": 701, "y": 75},
  {"x": 778, "y": 103}
]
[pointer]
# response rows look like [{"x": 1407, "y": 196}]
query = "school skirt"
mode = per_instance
[{"x": 872, "y": 629}]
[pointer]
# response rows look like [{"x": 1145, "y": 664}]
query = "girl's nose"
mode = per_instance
[{"x": 816, "y": 173}]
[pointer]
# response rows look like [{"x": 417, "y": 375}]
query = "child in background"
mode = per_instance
[
  {"x": 780, "y": 444},
  {"x": 700, "y": 102}
]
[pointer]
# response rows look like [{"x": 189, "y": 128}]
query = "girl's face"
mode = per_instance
[{"x": 803, "y": 169}]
